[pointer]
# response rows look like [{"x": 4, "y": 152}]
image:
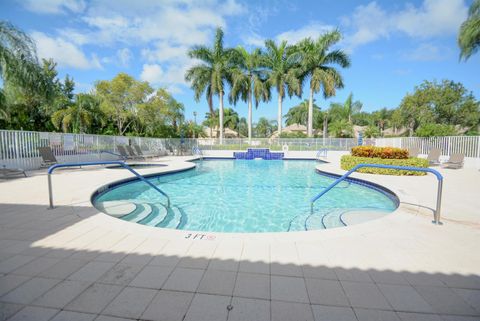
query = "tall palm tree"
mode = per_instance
[
  {"x": 213, "y": 72},
  {"x": 249, "y": 81},
  {"x": 317, "y": 60},
  {"x": 469, "y": 35},
  {"x": 283, "y": 74}
]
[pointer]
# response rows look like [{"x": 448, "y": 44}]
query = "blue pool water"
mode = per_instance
[{"x": 243, "y": 196}]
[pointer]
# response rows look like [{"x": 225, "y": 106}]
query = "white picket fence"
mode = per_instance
[{"x": 19, "y": 149}]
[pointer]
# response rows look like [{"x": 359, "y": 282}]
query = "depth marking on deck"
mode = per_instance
[{"x": 197, "y": 236}]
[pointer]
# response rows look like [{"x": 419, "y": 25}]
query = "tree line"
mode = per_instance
[{"x": 32, "y": 97}]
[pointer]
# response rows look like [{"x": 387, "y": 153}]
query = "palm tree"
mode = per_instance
[
  {"x": 352, "y": 107},
  {"x": 231, "y": 118},
  {"x": 283, "y": 74},
  {"x": 316, "y": 61},
  {"x": 469, "y": 34},
  {"x": 263, "y": 127},
  {"x": 249, "y": 79},
  {"x": 299, "y": 114},
  {"x": 211, "y": 74},
  {"x": 79, "y": 116},
  {"x": 18, "y": 61}
]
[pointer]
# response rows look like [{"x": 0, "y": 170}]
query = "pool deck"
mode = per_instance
[{"x": 74, "y": 263}]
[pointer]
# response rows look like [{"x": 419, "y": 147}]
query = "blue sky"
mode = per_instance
[{"x": 393, "y": 45}]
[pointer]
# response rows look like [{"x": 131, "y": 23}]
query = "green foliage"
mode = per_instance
[
  {"x": 469, "y": 34},
  {"x": 444, "y": 103},
  {"x": 341, "y": 129},
  {"x": 379, "y": 152},
  {"x": 429, "y": 130},
  {"x": 371, "y": 132},
  {"x": 264, "y": 128},
  {"x": 299, "y": 115},
  {"x": 347, "y": 162},
  {"x": 293, "y": 135},
  {"x": 120, "y": 98}
]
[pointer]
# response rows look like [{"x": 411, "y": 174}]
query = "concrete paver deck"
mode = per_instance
[{"x": 73, "y": 263}]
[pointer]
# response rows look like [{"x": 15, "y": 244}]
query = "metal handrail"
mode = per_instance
[
  {"x": 140, "y": 177},
  {"x": 197, "y": 152},
  {"x": 408, "y": 168},
  {"x": 322, "y": 153}
]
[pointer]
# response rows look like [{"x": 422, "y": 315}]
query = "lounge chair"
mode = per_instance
[
  {"x": 433, "y": 156},
  {"x": 455, "y": 161},
  {"x": 6, "y": 172},
  {"x": 122, "y": 151},
  {"x": 132, "y": 153},
  {"x": 139, "y": 152},
  {"x": 48, "y": 159},
  {"x": 413, "y": 152}
]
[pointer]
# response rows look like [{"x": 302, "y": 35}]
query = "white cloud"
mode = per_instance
[
  {"x": 433, "y": 18},
  {"x": 65, "y": 53},
  {"x": 152, "y": 73},
  {"x": 124, "y": 56},
  {"x": 54, "y": 6},
  {"x": 427, "y": 52},
  {"x": 253, "y": 39},
  {"x": 162, "y": 31},
  {"x": 369, "y": 22},
  {"x": 312, "y": 30}
]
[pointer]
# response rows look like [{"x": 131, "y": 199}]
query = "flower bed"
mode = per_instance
[{"x": 380, "y": 152}]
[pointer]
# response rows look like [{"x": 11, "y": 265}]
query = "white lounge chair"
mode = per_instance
[
  {"x": 7, "y": 172},
  {"x": 455, "y": 161}
]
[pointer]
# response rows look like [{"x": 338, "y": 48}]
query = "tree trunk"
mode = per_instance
[
  {"x": 279, "y": 116},
  {"x": 221, "y": 116},
  {"x": 310, "y": 115},
  {"x": 210, "y": 104},
  {"x": 325, "y": 124},
  {"x": 249, "y": 116}
]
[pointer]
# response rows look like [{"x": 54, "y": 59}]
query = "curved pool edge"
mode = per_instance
[{"x": 403, "y": 212}]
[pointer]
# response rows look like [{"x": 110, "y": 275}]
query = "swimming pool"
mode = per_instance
[{"x": 243, "y": 196}]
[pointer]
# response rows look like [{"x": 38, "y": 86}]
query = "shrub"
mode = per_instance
[
  {"x": 348, "y": 162},
  {"x": 380, "y": 152}
]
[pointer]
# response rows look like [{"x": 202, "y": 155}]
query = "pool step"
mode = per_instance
[
  {"x": 158, "y": 214},
  {"x": 116, "y": 208},
  {"x": 174, "y": 219},
  {"x": 142, "y": 211},
  {"x": 332, "y": 219}
]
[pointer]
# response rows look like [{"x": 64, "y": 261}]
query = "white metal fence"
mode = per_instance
[
  {"x": 19, "y": 149},
  {"x": 467, "y": 145}
]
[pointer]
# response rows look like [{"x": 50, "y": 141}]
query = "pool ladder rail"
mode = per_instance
[
  {"x": 408, "y": 168},
  {"x": 123, "y": 164},
  {"x": 196, "y": 151}
]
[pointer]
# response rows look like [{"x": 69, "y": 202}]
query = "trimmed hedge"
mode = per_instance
[
  {"x": 348, "y": 162},
  {"x": 380, "y": 152}
]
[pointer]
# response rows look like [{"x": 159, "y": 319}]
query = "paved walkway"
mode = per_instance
[{"x": 73, "y": 263}]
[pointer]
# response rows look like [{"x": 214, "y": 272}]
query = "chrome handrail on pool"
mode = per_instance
[
  {"x": 140, "y": 177},
  {"x": 408, "y": 168}
]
